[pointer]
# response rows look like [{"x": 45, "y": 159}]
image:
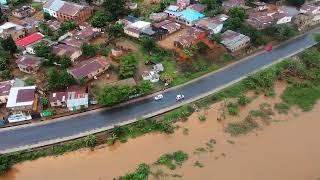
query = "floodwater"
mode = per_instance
[{"x": 287, "y": 149}]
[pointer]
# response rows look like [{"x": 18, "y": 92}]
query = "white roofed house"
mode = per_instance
[{"x": 135, "y": 29}]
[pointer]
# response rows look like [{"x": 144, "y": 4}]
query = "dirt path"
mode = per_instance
[{"x": 287, "y": 149}]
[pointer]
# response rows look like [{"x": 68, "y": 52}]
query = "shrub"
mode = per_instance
[
  {"x": 181, "y": 113},
  {"x": 243, "y": 100},
  {"x": 202, "y": 118},
  {"x": 233, "y": 109},
  {"x": 173, "y": 160},
  {"x": 141, "y": 173},
  {"x": 91, "y": 141},
  {"x": 282, "y": 108},
  {"x": 242, "y": 127},
  {"x": 128, "y": 65}
]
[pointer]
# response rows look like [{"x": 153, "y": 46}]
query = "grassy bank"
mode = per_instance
[{"x": 302, "y": 74}]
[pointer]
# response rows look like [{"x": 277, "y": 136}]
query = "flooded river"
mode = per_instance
[{"x": 287, "y": 149}]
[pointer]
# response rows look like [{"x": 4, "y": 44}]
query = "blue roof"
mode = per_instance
[
  {"x": 173, "y": 8},
  {"x": 56, "y": 5},
  {"x": 191, "y": 15}
]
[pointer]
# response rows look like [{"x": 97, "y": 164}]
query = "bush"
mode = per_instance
[
  {"x": 141, "y": 173},
  {"x": 233, "y": 109},
  {"x": 128, "y": 66},
  {"x": 262, "y": 81},
  {"x": 91, "y": 141},
  {"x": 243, "y": 100},
  {"x": 282, "y": 108},
  {"x": 173, "y": 160},
  {"x": 242, "y": 127},
  {"x": 181, "y": 113}
]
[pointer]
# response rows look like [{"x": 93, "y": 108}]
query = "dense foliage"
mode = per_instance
[{"x": 128, "y": 66}]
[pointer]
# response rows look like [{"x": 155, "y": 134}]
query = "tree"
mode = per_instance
[
  {"x": 88, "y": 50},
  {"x": 9, "y": 45},
  {"x": 216, "y": 37},
  {"x": 115, "y": 30},
  {"x": 116, "y": 7},
  {"x": 167, "y": 77},
  {"x": 202, "y": 47},
  {"x": 297, "y": 3},
  {"x": 101, "y": 19},
  {"x": 65, "y": 62},
  {"x": 59, "y": 79},
  {"x": 45, "y": 29},
  {"x": 214, "y": 7},
  {"x": 238, "y": 12},
  {"x": 128, "y": 66},
  {"x": 148, "y": 44},
  {"x": 232, "y": 23},
  {"x": 42, "y": 50},
  {"x": 256, "y": 37},
  {"x": 66, "y": 26},
  {"x": 111, "y": 95},
  {"x": 144, "y": 87},
  {"x": 46, "y": 16},
  {"x": 282, "y": 32}
]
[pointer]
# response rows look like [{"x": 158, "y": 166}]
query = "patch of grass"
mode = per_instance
[
  {"x": 198, "y": 164},
  {"x": 243, "y": 100},
  {"x": 265, "y": 112},
  {"x": 181, "y": 113},
  {"x": 233, "y": 108},
  {"x": 173, "y": 160},
  {"x": 282, "y": 108},
  {"x": 202, "y": 117},
  {"x": 30, "y": 81},
  {"x": 242, "y": 127},
  {"x": 141, "y": 173},
  {"x": 304, "y": 96}
]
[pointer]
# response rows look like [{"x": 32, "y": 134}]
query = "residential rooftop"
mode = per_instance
[
  {"x": 29, "y": 39},
  {"x": 21, "y": 96}
]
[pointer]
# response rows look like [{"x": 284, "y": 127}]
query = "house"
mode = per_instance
[
  {"x": 30, "y": 48},
  {"x": 128, "y": 20},
  {"x": 58, "y": 98},
  {"x": 234, "y": 41},
  {"x": 189, "y": 17},
  {"x": 21, "y": 98},
  {"x": 260, "y": 20},
  {"x": 23, "y": 12},
  {"x": 229, "y": 4},
  {"x": 11, "y": 29},
  {"x": 183, "y": 3},
  {"x": 89, "y": 69},
  {"x": 136, "y": 28},
  {"x": 77, "y": 97},
  {"x": 313, "y": 11},
  {"x": 197, "y": 7},
  {"x": 192, "y": 36},
  {"x": 281, "y": 17},
  {"x": 71, "y": 41},
  {"x": 65, "y": 11},
  {"x": 87, "y": 33},
  {"x": 30, "y": 24},
  {"x": 214, "y": 25},
  {"x": 157, "y": 17},
  {"x": 28, "y": 64},
  {"x": 64, "y": 50},
  {"x": 172, "y": 10},
  {"x": 166, "y": 27},
  {"x": 5, "y": 87},
  {"x": 30, "y": 39},
  {"x": 54, "y": 25}
]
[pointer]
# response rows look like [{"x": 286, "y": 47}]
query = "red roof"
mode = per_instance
[{"x": 29, "y": 39}]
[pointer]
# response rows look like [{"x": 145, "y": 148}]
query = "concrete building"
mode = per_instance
[
  {"x": 64, "y": 50},
  {"x": 58, "y": 99},
  {"x": 214, "y": 25},
  {"x": 28, "y": 64},
  {"x": 77, "y": 98},
  {"x": 234, "y": 41},
  {"x": 135, "y": 29},
  {"x": 23, "y": 12},
  {"x": 11, "y": 29},
  {"x": 64, "y": 11},
  {"x": 189, "y": 17}
]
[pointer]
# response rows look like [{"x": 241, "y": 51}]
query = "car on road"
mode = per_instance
[
  {"x": 158, "y": 97},
  {"x": 179, "y": 97}
]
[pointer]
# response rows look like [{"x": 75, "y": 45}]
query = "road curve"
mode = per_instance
[{"x": 73, "y": 125}]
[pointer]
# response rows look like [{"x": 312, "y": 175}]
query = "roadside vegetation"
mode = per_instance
[{"x": 301, "y": 73}]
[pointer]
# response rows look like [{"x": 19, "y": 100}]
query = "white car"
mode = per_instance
[
  {"x": 158, "y": 97},
  {"x": 179, "y": 97}
]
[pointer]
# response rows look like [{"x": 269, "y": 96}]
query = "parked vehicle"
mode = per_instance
[
  {"x": 179, "y": 97},
  {"x": 158, "y": 97}
]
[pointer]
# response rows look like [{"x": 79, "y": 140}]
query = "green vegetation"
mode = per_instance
[
  {"x": 281, "y": 32},
  {"x": 233, "y": 108},
  {"x": 282, "y": 108},
  {"x": 264, "y": 113},
  {"x": 202, "y": 117},
  {"x": 30, "y": 81},
  {"x": 243, "y": 100},
  {"x": 128, "y": 66},
  {"x": 141, "y": 173},
  {"x": 181, "y": 113},
  {"x": 9, "y": 45},
  {"x": 111, "y": 95},
  {"x": 173, "y": 160},
  {"x": 242, "y": 127},
  {"x": 89, "y": 50},
  {"x": 59, "y": 79},
  {"x": 236, "y": 18},
  {"x": 101, "y": 19}
]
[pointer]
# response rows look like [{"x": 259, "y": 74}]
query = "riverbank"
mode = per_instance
[{"x": 285, "y": 148}]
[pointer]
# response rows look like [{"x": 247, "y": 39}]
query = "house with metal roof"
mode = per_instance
[
  {"x": 189, "y": 17},
  {"x": 172, "y": 10},
  {"x": 64, "y": 11},
  {"x": 234, "y": 41}
]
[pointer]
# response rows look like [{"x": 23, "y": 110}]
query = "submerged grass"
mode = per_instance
[{"x": 172, "y": 161}]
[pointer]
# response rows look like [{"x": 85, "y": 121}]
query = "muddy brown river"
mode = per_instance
[{"x": 288, "y": 149}]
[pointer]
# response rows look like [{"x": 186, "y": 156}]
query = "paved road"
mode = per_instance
[{"x": 29, "y": 135}]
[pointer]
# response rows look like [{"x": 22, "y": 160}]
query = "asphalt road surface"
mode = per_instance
[{"x": 28, "y": 135}]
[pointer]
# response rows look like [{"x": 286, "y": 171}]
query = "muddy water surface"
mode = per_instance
[{"x": 287, "y": 149}]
